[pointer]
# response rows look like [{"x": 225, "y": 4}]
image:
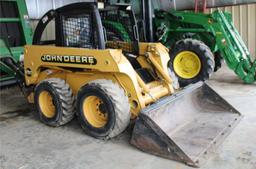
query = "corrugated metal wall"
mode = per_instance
[
  {"x": 244, "y": 17},
  {"x": 37, "y": 8}
]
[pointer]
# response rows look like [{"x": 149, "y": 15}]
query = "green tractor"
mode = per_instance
[
  {"x": 204, "y": 39},
  {"x": 216, "y": 30}
]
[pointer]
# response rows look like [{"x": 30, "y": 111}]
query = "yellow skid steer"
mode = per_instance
[{"x": 109, "y": 83}]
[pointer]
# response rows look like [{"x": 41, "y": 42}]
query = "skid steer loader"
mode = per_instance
[{"x": 109, "y": 83}]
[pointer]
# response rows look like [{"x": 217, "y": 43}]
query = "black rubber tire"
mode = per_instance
[
  {"x": 218, "y": 61},
  {"x": 205, "y": 55},
  {"x": 116, "y": 103},
  {"x": 63, "y": 101}
]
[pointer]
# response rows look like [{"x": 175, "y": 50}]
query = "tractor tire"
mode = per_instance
[
  {"x": 54, "y": 102},
  {"x": 218, "y": 61},
  {"x": 191, "y": 61},
  {"x": 103, "y": 109}
]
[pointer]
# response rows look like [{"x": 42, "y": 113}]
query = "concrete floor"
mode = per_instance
[{"x": 25, "y": 143}]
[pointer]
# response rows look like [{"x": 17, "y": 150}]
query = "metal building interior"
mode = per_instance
[{"x": 132, "y": 84}]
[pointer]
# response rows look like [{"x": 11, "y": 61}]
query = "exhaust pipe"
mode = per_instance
[{"x": 147, "y": 16}]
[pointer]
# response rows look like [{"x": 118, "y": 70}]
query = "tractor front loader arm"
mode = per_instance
[{"x": 233, "y": 48}]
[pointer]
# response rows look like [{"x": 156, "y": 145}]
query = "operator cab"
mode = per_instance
[
  {"x": 76, "y": 25},
  {"x": 83, "y": 25}
]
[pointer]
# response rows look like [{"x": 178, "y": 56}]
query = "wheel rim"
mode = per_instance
[
  {"x": 46, "y": 104},
  {"x": 187, "y": 64},
  {"x": 95, "y": 112}
]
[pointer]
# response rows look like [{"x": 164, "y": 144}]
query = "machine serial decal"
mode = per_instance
[{"x": 87, "y": 60}]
